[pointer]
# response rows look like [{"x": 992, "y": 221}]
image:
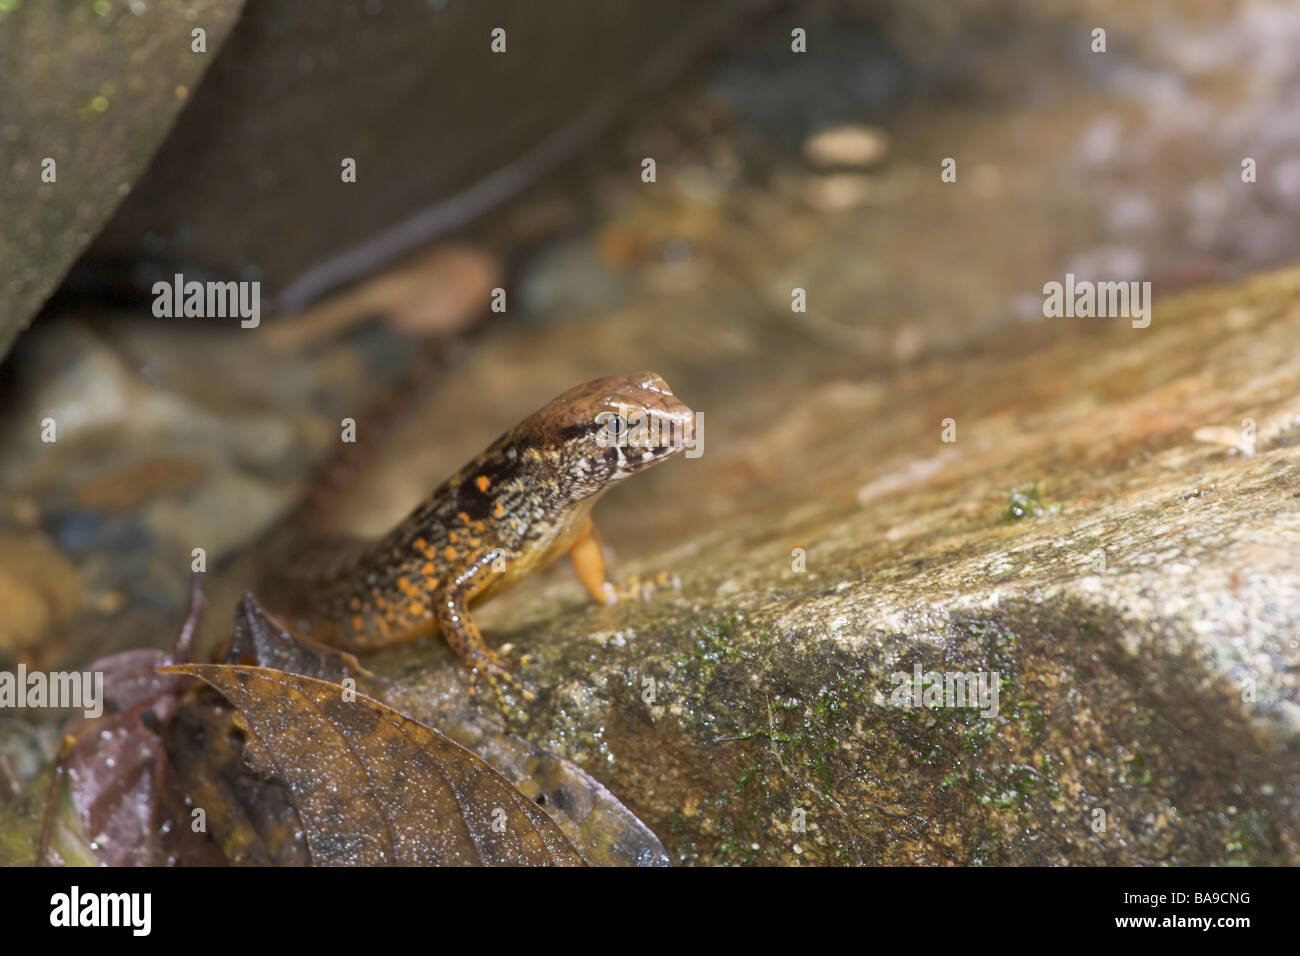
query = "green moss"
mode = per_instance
[
  {"x": 1023, "y": 502},
  {"x": 737, "y": 852},
  {"x": 717, "y": 641},
  {"x": 792, "y": 741},
  {"x": 988, "y": 850},
  {"x": 747, "y": 775},
  {"x": 1251, "y": 834}
]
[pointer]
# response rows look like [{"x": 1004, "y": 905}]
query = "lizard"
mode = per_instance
[{"x": 512, "y": 510}]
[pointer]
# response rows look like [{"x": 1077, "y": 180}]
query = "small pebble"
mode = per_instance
[{"x": 849, "y": 145}]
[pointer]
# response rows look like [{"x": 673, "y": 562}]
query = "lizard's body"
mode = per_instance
[{"x": 513, "y": 509}]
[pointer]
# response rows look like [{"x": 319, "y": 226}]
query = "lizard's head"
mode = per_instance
[{"x": 605, "y": 430}]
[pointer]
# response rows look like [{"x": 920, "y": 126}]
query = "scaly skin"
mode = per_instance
[{"x": 513, "y": 509}]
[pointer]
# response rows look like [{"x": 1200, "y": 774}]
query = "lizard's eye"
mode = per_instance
[{"x": 609, "y": 429}]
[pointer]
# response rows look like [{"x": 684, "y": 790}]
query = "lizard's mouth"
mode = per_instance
[
  {"x": 629, "y": 459},
  {"x": 635, "y": 453}
]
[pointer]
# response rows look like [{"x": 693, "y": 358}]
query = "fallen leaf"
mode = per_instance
[
  {"x": 119, "y": 775},
  {"x": 116, "y": 766},
  {"x": 603, "y": 830},
  {"x": 42, "y": 825},
  {"x": 373, "y": 787},
  {"x": 438, "y": 292},
  {"x": 249, "y": 812},
  {"x": 258, "y": 638}
]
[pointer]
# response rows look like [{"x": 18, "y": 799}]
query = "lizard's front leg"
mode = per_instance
[
  {"x": 589, "y": 563},
  {"x": 464, "y": 638}
]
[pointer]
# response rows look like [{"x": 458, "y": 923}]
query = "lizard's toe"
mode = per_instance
[{"x": 492, "y": 666}]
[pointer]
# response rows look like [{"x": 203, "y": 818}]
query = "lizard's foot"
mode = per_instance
[
  {"x": 638, "y": 587},
  {"x": 488, "y": 664}
]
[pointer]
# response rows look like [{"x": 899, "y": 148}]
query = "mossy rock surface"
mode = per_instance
[
  {"x": 95, "y": 87},
  {"x": 1142, "y": 617}
]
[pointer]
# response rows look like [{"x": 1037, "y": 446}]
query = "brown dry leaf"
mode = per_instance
[
  {"x": 113, "y": 776},
  {"x": 118, "y": 771},
  {"x": 437, "y": 292},
  {"x": 249, "y": 812},
  {"x": 259, "y": 639},
  {"x": 373, "y": 787},
  {"x": 604, "y": 831},
  {"x": 119, "y": 774}
]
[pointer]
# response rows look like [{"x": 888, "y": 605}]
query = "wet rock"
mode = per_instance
[
  {"x": 1105, "y": 532},
  {"x": 294, "y": 94},
  {"x": 1131, "y": 592},
  {"x": 39, "y": 589},
  {"x": 570, "y": 276},
  {"x": 85, "y": 421},
  {"x": 95, "y": 87},
  {"x": 204, "y": 520},
  {"x": 101, "y": 85},
  {"x": 837, "y": 191}
]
